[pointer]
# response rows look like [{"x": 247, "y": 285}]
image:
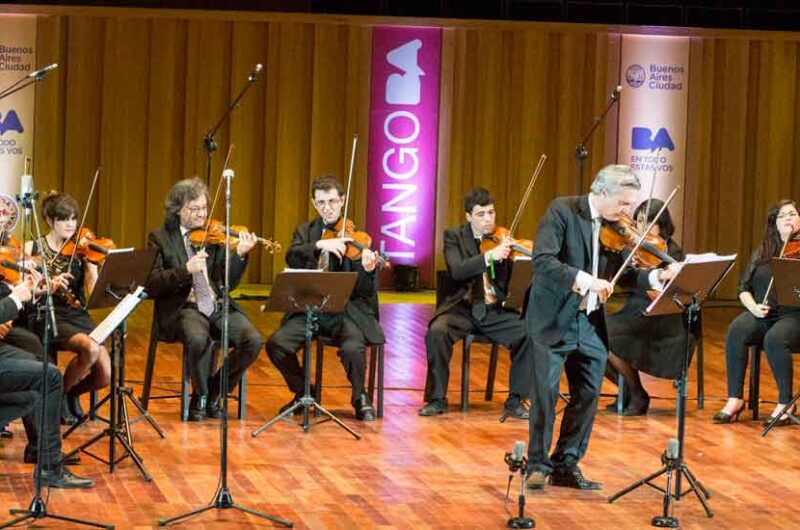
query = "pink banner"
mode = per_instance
[{"x": 403, "y": 141}]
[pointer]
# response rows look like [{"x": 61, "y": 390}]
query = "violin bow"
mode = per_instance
[
  {"x": 527, "y": 194},
  {"x": 349, "y": 184},
  {"x": 83, "y": 222},
  {"x": 643, "y": 222},
  {"x": 642, "y": 239},
  {"x": 216, "y": 197}
]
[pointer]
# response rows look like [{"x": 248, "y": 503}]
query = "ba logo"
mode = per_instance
[
  {"x": 642, "y": 138},
  {"x": 404, "y": 89},
  {"x": 635, "y": 75},
  {"x": 10, "y": 123}
]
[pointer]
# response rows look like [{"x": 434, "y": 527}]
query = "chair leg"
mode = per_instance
[
  {"x": 490, "y": 376},
  {"x": 242, "y": 404},
  {"x": 184, "y": 385},
  {"x": 148, "y": 373},
  {"x": 379, "y": 353},
  {"x": 620, "y": 394},
  {"x": 465, "y": 351},
  {"x": 700, "y": 375},
  {"x": 372, "y": 368},
  {"x": 318, "y": 371},
  {"x": 93, "y": 405},
  {"x": 755, "y": 378}
]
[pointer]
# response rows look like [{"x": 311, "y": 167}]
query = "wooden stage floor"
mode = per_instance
[{"x": 412, "y": 472}]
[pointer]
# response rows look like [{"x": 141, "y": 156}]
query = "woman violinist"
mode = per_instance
[
  {"x": 72, "y": 279},
  {"x": 764, "y": 322},
  {"x": 654, "y": 345}
]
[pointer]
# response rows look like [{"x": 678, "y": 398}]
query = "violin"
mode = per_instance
[
  {"x": 215, "y": 234},
  {"x": 623, "y": 236},
  {"x": 12, "y": 267},
  {"x": 519, "y": 247},
  {"x": 85, "y": 244},
  {"x": 360, "y": 241}
]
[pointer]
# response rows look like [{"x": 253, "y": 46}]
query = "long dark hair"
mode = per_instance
[
  {"x": 665, "y": 225},
  {"x": 771, "y": 244}
]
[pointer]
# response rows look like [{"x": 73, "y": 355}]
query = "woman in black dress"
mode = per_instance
[
  {"x": 72, "y": 280},
  {"x": 776, "y": 328},
  {"x": 654, "y": 345}
]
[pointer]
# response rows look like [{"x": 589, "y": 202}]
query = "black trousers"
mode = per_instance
[
  {"x": 282, "y": 347},
  {"x": 779, "y": 335},
  {"x": 198, "y": 331},
  {"x": 500, "y": 325},
  {"x": 583, "y": 355},
  {"x": 20, "y": 396}
]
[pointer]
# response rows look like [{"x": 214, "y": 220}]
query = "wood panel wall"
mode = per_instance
[{"x": 136, "y": 91}]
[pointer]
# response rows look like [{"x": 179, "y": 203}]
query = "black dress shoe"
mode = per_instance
[
  {"x": 515, "y": 407},
  {"x": 63, "y": 478},
  {"x": 724, "y": 417},
  {"x": 638, "y": 406},
  {"x": 197, "y": 407},
  {"x": 364, "y": 409},
  {"x": 67, "y": 417},
  {"x": 214, "y": 408},
  {"x": 571, "y": 477},
  {"x": 30, "y": 457},
  {"x": 785, "y": 419},
  {"x": 5, "y": 433},
  {"x": 74, "y": 403},
  {"x": 299, "y": 410},
  {"x": 433, "y": 407}
]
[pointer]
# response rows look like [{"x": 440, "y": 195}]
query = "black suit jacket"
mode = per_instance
[
  {"x": 363, "y": 305},
  {"x": 466, "y": 266},
  {"x": 563, "y": 247},
  {"x": 169, "y": 282}
]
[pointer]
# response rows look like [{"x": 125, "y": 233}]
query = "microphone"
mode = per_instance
[
  {"x": 256, "y": 70},
  {"x": 42, "y": 71},
  {"x": 672, "y": 449},
  {"x": 26, "y": 193},
  {"x": 228, "y": 174},
  {"x": 616, "y": 92},
  {"x": 516, "y": 457}
]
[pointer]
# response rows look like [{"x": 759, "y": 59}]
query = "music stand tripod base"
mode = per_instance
[{"x": 311, "y": 293}]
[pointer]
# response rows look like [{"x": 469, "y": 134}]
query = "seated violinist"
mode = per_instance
[
  {"x": 73, "y": 278},
  {"x": 775, "y": 327},
  {"x": 351, "y": 330},
  {"x": 187, "y": 285},
  {"x": 475, "y": 306}
]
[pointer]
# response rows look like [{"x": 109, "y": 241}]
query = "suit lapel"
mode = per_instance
[
  {"x": 585, "y": 223},
  {"x": 468, "y": 240},
  {"x": 180, "y": 248}
]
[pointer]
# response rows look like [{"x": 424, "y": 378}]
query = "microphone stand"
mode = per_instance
[
  {"x": 37, "y": 509},
  {"x": 209, "y": 144},
  {"x": 223, "y": 500},
  {"x": 520, "y": 521},
  {"x": 16, "y": 87},
  {"x": 581, "y": 153}
]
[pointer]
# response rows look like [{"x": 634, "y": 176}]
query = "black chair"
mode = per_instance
[
  {"x": 185, "y": 381},
  {"x": 375, "y": 365},
  {"x": 444, "y": 285}
]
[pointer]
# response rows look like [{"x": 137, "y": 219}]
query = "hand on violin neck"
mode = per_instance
[
  {"x": 247, "y": 240},
  {"x": 336, "y": 246},
  {"x": 369, "y": 260},
  {"x": 61, "y": 281},
  {"x": 197, "y": 263}
]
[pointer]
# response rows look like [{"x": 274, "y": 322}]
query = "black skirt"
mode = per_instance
[{"x": 653, "y": 345}]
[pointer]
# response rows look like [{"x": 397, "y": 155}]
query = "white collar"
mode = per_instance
[{"x": 592, "y": 210}]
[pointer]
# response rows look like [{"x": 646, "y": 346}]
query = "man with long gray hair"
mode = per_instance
[
  {"x": 187, "y": 286},
  {"x": 565, "y": 319}
]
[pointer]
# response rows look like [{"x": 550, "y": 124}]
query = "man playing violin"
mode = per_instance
[
  {"x": 474, "y": 305},
  {"x": 351, "y": 330},
  {"x": 187, "y": 285},
  {"x": 566, "y": 321},
  {"x": 21, "y": 383}
]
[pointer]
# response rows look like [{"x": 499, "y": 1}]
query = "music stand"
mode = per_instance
[
  {"x": 123, "y": 272},
  {"x": 518, "y": 283},
  {"x": 786, "y": 272},
  {"x": 684, "y": 294},
  {"x": 310, "y": 292}
]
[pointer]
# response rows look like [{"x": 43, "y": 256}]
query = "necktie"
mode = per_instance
[
  {"x": 591, "y": 300},
  {"x": 202, "y": 293}
]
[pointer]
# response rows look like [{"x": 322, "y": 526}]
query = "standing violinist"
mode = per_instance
[
  {"x": 653, "y": 344},
  {"x": 187, "y": 285},
  {"x": 765, "y": 323},
  {"x": 475, "y": 305},
  {"x": 566, "y": 322},
  {"x": 313, "y": 248},
  {"x": 73, "y": 278}
]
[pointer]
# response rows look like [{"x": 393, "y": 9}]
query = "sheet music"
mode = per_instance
[
  {"x": 117, "y": 315},
  {"x": 708, "y": 257}
]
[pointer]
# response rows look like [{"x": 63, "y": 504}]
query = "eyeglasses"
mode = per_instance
[
  {"x": 330, "y": 203},
  {"x": 194, "y": 210}
]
